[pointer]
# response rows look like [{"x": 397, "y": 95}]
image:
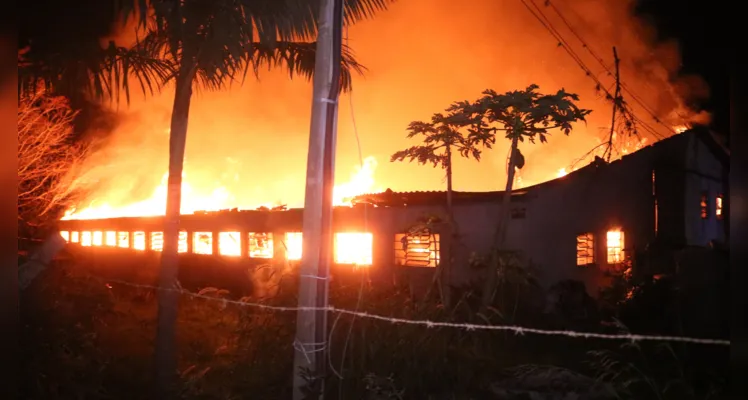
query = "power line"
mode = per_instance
[
  {"x": 599, "y": 59},
  {"x": 533, "y": 8}
]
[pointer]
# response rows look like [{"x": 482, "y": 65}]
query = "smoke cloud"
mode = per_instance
[{"x": 421, "y": 55}]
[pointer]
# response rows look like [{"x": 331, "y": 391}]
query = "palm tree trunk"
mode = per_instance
[
  {"x": 168, "y": 297},
  {"x": 500, "y": 234}
]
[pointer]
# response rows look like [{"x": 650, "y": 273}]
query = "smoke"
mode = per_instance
[{"x": 421, "y": 56}]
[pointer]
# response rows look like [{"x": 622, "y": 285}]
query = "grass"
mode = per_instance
[{"x": 86, "y": 337}]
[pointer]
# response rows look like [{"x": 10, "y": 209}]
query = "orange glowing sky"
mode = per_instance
[{"x": 421, "y": 55}]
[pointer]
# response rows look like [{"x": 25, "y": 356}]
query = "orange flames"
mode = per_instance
[{"x": 213, "y": 199}]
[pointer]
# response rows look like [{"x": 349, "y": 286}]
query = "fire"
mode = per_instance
[
  {"x": 361, "y": 181},
  {"x": 561, "y": 173}
]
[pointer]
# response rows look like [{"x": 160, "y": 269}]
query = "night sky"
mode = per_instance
[{"x": 702, "y": 48}]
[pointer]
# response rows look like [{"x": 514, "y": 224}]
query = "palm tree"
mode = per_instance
[{"x": 210, "y": 43}]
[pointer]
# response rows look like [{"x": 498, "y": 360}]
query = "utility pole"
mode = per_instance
[
  {"x": 616, "y": 104},
  {"x": 310, "y": 343}
]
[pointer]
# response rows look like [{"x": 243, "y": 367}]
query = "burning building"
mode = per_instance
[{"x": 573, "y": 227}]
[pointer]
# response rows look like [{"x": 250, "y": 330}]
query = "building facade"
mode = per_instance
[{"x": 575, "y": 227}]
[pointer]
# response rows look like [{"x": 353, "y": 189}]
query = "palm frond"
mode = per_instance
[
  {"x": 94, "y": 70},
  {"x": 298, "y": 58}
]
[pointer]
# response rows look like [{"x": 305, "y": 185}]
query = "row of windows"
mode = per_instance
[
  {"x": 350, "y": 247},
  {"x": 614, "y": 246}
]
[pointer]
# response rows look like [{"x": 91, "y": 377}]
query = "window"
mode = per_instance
[
  {"x": 157, "y": 241},
  {"x": 229, "y": 244},
  {"x": 615, "y": 247},
  {"x": 65, "y": 235},
  {"x": 293, "y": 245},
  {"x": 138, "y": 240},
  {"x": 704, "y": 205},
  {"x": 86, "y": 238},
  {"x": 202, "y": 243},
  {"x": 417, "y": 250},
  {"x": 123, "y": 239},
  {"x": 75, "y": 237},
  {"x": 110, "y": 238},
  {"x": 261, "y": 245},
  {"x": 718, "y": 204},
  {"x": 353, "y": 248},
  {"x": 98, "y": 238},
  {"x": 585, "y": 249}
]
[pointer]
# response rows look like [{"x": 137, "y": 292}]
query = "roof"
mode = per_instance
[
  {"x": 391, "y": 198},
  {"x": 395, "y": 199}
]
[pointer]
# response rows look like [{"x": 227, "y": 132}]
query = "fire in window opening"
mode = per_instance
[
  {"x": 157, "y": 241},
  {"x": 293, "y": 245},
  {"x": 354, "y": 248},
  {"x": 65, "y": 235},
  {"x": 417, "y": 250},
  {"x": 110, "y": 238},
  {"x": 585, "y": 249},
  {"x": 718, "y": 203},
  {"x": 86, "y": 238},
  {"x": 260, "y": 245},
  {"x": 138, "y": 240},
  {"x": 123, "y": 239},
  {"x": 202, "y": 243},
  {"x": 229, "y": 243},
  {"x": 704, "y": 204},
  {"x": 75, "y": 237},
  {"x": 615, "y": 246},
  {"x": 97, "y": 238}
]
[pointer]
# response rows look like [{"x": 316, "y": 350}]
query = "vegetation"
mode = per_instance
[
  {"x": 46, "y": 155},
  {"x": 87, "y": 335}
]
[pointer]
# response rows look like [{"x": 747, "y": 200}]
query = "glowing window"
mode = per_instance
[
  {"x": 615, "y": 245},
  {"x": 202, "y": 243},
  {"x": 229, "y": 243},
  {"x": 704, "y": 205},
  {"x": 97, "y": 238},
  {"x": 585, "y": 249},
  {"x": 86, "y": 238},
  {"x": 718, "y": 204},
  {"x": 182, "y": 244},
  {"x": 110, "y": 238},
  {"x": 123, "y": 239},
  {"x": 65, "y": 235},
  {"x": 260, "y": 245},
  {"x": 138, "y": 240},
  {"x": 293, "y": 245},
  {"x": 417, "y": 250},
  {"x": 353, "y": 248},
  {"x": 75, "y": 237},
  {"x": 157, "y": 241}
]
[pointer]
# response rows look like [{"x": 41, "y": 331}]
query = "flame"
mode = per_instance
[
  {"x": 218, "y": 198},
  {"x": 561, "y": 173}
]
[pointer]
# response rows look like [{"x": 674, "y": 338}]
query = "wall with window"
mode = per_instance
[{"x": 703, "y": 197}]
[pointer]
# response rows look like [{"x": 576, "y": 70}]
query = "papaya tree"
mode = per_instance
[
  {"x": 440, "y": 138},
  {"x": 518, "y": 115}
]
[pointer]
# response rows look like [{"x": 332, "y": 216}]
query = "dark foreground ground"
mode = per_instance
[{"x": 85, "y": 336}]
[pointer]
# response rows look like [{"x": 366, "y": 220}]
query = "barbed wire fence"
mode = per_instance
[{"x": 516, "y": 329}]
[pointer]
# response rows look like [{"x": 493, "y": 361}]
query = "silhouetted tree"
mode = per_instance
[
  {"x": 211, "y": 44},
  {"x": 517, "y": 115}
]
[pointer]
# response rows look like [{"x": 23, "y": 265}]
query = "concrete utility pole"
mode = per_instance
[{"x": 310, "y": 343}]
